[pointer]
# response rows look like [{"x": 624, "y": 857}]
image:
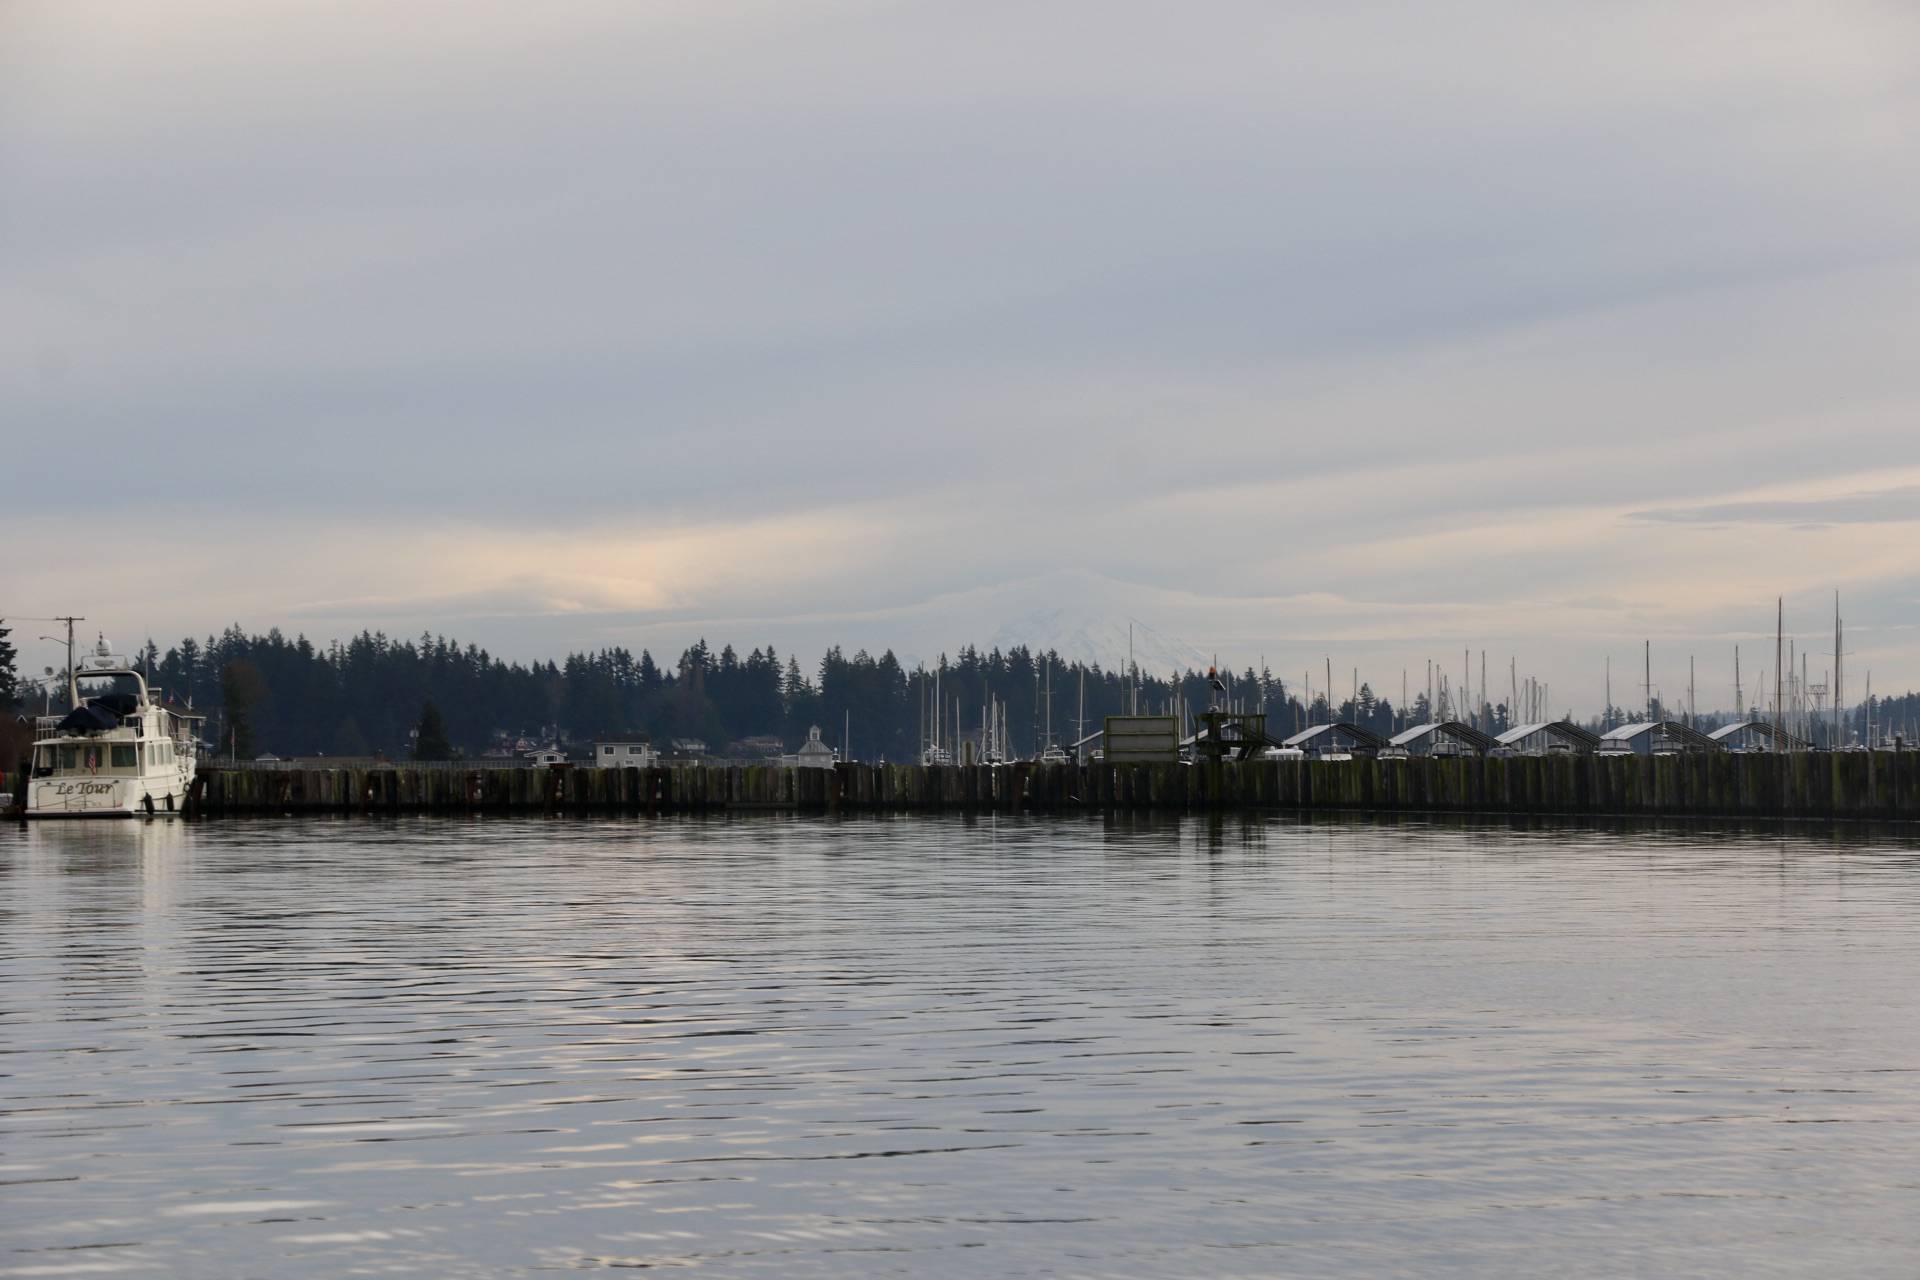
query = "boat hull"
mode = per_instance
[{"x": 105, "y": 797}]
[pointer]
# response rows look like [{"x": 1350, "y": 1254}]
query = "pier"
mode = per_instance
[{"x": 1807, "y": 785}]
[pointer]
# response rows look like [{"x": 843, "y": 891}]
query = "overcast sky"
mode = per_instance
[{"x": 1370, "y": 331}]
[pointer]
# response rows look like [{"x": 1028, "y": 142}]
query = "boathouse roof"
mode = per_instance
[
  {"x": 1453, "y": 728},
  {"x": 1339, "y": 728},
  {"x": 1567, "y": 728},
  {"x": 1761, "y": 729},
  {"x": 1671, "y": 729}
]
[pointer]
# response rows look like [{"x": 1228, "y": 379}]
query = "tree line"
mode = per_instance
[
  {"x": 368, "y": 695},
  {"x": 365, "y": 696}
]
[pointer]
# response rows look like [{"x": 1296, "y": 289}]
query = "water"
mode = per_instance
[{"x": 944, "y": 1048}]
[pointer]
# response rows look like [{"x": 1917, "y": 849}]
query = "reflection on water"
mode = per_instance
[{"x": 930, "y": 1048}]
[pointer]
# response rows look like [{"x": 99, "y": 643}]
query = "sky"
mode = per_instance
[{"x": 1351, "y": 333}]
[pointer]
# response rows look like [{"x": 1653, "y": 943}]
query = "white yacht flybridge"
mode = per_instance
[{"x": 118, "y": 754}]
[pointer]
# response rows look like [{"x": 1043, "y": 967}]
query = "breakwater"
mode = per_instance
[{"x": 1881, "y": 785}]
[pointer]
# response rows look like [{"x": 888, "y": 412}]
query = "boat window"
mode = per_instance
[
  {"x": 69, "y": 758},
  {"x": 43, "y": 758},
  {"x": 123, "y": 755}
]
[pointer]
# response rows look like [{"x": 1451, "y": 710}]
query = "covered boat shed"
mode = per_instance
[
  {"x": 1755, "y": 735},
  {"x": 1447, "y": 738},
  {"x": 1337, "y": 739},
  {"x": 1548, "y": 738},
  {"x": 1655, "y": 738}
]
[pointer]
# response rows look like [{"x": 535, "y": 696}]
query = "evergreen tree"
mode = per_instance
[
  {"x": 240, "y": 691},
  {"x": 431, "y": 742},
  {"x": 348, "y": 740},
  {"x": 9, "y": 677}
]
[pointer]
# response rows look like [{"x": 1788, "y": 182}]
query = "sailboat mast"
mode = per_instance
[
  {"x": 1080, "y": 724},
  {"x": 1779, "y": 682},
  {"x": 1835, "y": 745}
]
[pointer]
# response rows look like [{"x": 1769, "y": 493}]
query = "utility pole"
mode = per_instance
[
  {"x": 73, "y": 681},
  {"x": 1739, "y": 707}
]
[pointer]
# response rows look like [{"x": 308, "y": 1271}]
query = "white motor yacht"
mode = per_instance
[{"x": 120, "y": 753}]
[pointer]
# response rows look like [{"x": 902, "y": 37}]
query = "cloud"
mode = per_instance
[
  {"x": 1284, "y": 328},
  {"x": 1882, "y": 506}
]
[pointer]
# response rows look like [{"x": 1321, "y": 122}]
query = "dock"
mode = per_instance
[{"x": 1807, "y": 785}]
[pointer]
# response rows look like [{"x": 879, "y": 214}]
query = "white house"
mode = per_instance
[
  {"x": 625, "y": 755},
  {"x": 813, "y": 753},
  {"x": 546, "y": 757}
]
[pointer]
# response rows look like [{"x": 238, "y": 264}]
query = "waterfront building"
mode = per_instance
[
  {"x": 1655, "y": 738},
  {"x": 1338, "y": 740},
  {"x": 1547, "y": 738},
  {"x": 1446, "y": 738},
  {"x": 1755, "y": 735},
  {"x": 813, "y": 753},
  {"x": 625, "y": 755}
]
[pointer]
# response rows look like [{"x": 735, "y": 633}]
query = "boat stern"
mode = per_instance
[{"x": 81, "y": 798}]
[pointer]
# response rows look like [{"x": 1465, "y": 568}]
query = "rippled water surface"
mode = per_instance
[{"x": 928, "y": 1047}]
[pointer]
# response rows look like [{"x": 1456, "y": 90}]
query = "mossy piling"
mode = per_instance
[{"x": 1878, "y": 785}]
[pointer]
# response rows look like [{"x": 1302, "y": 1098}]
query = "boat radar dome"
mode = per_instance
[{"x": 103, "y": 654}]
